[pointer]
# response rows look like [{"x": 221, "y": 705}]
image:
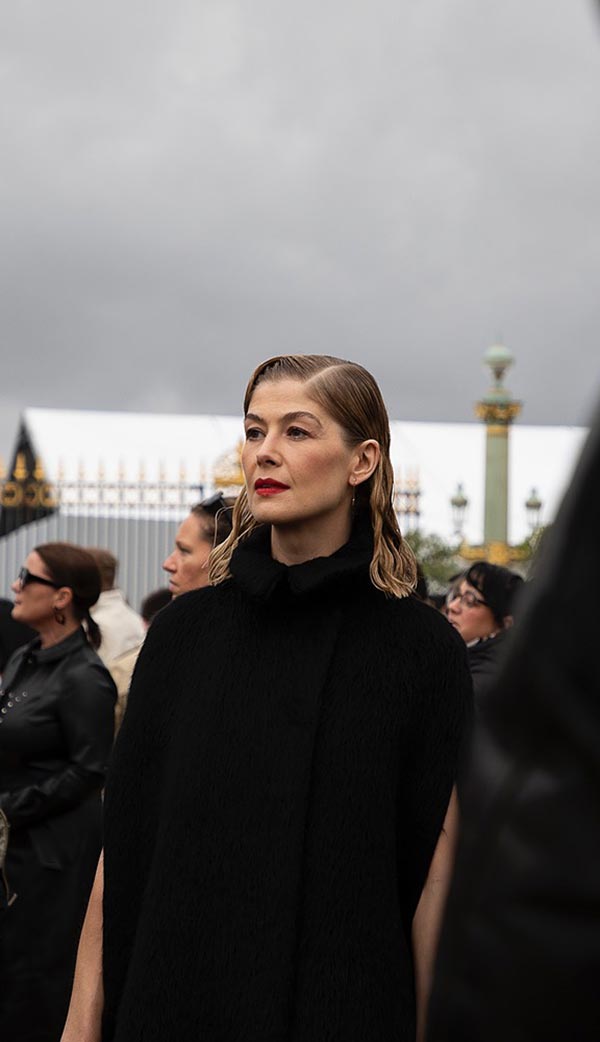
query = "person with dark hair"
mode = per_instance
[
  {"x": 481, "y": 607},
  {"x": 56, "y": 729},
  {"x": 121, "y": 626},
  {"x": 153, "y": 603},
  {"x": 280, "y": 808},
  {"x": 207, "y": 525}
]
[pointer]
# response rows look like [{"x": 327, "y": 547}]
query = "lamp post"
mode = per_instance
[
  {"x": 459, "y": 504},
  {"x": 533, "y": 506}
]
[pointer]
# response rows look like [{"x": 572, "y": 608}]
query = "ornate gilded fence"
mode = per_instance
[{"x": 135, "y": 519}]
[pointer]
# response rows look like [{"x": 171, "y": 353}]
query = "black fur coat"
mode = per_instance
[{"x": 278, "y": 788}]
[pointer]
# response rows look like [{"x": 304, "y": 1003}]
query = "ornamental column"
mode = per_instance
[{"x": 497, "y": 410}]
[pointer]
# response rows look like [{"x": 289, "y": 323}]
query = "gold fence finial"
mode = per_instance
[
  {"x": 2, "y": 469},
  {"x": 141, "y": 472},
  {"x": 122, "y": 472},
  {"x": 101, "y": 470},
  {"x": 38, "y": 470},
  {"x": 182, "y": 472},
  {"x": 162, "y": 471},
  {"x": 81, "y": 470},
  {"x": 20, "y": 471}
]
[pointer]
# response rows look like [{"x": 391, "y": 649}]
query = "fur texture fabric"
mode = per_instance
[{"x": 277, "y": 791}]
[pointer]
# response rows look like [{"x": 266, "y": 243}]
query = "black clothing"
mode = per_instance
[
  {"x": 56, "y": 728},
  {"x": 485, "y": 660},
  {"x": 13, "y": 634},
  {"x": 520, "y": 950},
  {"x": 277, "y": 791}
]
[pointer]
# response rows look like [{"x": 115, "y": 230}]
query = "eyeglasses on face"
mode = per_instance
[
  {"x": 467, "y": 599},
  {"x": 25, "y": 577}
]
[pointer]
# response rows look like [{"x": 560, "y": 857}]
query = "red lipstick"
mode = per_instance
[{"x": 269, "y": 487}]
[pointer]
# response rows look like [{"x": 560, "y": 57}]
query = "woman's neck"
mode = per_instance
[
  {"x": 295, "y": 544},
  {"x": 53, "y": 632}
]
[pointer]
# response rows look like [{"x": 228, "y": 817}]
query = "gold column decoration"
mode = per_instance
[{"x": 228, "y": 473}]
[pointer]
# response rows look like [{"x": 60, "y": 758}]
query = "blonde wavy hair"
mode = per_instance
[{"x": 351, "y": 397}]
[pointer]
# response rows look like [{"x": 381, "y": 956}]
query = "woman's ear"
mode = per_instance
[
  {"x": 366, "y": 458},
  {"x": 63, "y": 597}
]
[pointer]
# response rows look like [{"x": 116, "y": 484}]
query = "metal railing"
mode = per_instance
[{"x": 136, "y": 519}]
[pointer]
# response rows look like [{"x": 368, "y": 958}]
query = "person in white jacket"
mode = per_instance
[{"x": 121, "y": 627}]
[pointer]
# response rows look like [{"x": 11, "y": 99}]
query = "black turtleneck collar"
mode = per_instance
[{"x": 261, "y": 577}]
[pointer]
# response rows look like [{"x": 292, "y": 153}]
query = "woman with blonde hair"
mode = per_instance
[{"x": 279, "y": 816}]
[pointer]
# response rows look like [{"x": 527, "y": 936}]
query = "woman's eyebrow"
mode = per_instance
[{"x": 289, "y": 417}]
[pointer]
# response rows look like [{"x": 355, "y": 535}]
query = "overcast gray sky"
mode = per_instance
[{"x": 188, "y": 187}]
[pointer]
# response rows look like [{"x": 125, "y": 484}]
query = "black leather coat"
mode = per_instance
[{"x": 56, "y": 730}]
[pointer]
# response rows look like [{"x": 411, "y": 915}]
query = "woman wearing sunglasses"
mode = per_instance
[
  {"x": 56, "y": 730},
  {"x": 279, "y": 812},
  {"x": 481, "y": 607}
]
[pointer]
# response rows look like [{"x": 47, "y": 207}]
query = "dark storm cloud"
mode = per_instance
[{"x": 188, "y": 188}]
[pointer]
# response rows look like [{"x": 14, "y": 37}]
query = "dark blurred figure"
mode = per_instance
[
  {"x": 56, "y": 730},
  {"x": 438, "y": 600},
  {"x": 13, "y": 634},
  {"x": 153, "y": 603},
  {"x": 520, "y": 951},
  {"x": 481, "y": 607}
]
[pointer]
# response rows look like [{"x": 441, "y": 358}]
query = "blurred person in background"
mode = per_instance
[
  {"x": 480, "y": 606},
  {"x": 121, "y": 668},
  {"x": 13, "y": 634},
  {"x": 56, "y": 731},
  {"x": 121, "y": 627},
  {"x": 207, "y": 525}
]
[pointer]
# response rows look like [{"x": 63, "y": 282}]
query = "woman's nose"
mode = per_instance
[{"x": 268, "y": 452}]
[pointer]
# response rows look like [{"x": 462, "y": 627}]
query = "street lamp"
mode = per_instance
[
  {"x": 533, "y": 506},
  {"x": 459, "y": 504}
]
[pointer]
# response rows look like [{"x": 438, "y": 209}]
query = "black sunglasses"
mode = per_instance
[
  {"x": 215, "y": 504},
  {"x": 25, "y": 577}
]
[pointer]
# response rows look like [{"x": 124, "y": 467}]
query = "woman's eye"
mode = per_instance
[
  {"x": 297, "y": 433},
  {"x": 252, "y": 433}
]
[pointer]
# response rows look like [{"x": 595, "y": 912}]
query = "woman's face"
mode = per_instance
[
  {"x": 187, "y": 565},
  {"x": 470, "y": 615},
  {"x": 34, "y": 602},
  {"x": 297, "y": 466}
]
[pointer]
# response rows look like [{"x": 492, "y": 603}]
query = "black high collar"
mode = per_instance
[{"x": 262, "y": 578}]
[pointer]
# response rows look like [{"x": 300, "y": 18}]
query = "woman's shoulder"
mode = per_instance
[
  {"x": 191, "y": 614},
  {"x": 411, "y": 615}
]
